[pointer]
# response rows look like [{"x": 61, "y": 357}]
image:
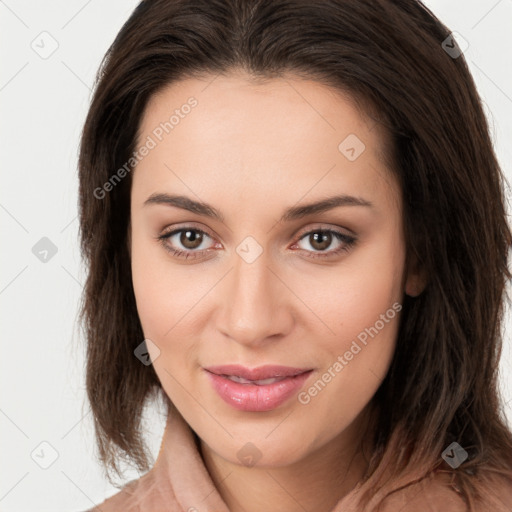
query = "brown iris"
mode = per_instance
[{"x": 191, "y": 239}]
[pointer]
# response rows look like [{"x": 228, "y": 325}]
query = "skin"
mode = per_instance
[{"x": 252, "y": 150}]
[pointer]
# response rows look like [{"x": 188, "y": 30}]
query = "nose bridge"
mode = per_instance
[{"x": 253, "y": 304}]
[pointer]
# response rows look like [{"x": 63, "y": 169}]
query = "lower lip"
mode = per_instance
[{"x": 251, "y": 397}]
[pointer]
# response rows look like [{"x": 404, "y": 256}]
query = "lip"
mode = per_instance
[
  {"x": 259, "y": 373},
  {"x": 257, "y": 397}
]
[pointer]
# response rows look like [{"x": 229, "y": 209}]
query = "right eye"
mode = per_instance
[{"x": 188, "y": 237}]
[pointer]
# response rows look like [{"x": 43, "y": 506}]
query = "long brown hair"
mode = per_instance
[{"x": 391, "y": 55}]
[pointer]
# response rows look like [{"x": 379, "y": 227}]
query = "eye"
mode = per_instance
[
  {"x": 190, "y": 243},
  {"x": 192, "y": 240},
  {"x": 321, "y": 239}
]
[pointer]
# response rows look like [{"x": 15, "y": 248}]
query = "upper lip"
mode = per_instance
[{"x": 259, "y": 373}]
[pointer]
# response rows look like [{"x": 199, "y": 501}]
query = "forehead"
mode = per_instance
[{"x": 283, "y": 134}]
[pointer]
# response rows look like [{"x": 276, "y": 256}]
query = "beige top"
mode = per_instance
[{"x": 180, "y": 482}]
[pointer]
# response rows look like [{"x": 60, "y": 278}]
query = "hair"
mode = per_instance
[{"x": 442, "y": 385}]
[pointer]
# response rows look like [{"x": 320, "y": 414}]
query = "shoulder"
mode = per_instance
[
  {"x": 146, "y": 494},
  {"x": 123, "y": 500},
  {"x": 439, "y": 493},
  {"x": 432, "y": 494}
]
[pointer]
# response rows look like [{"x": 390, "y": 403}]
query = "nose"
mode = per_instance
[{"x": 255, "y": 304}]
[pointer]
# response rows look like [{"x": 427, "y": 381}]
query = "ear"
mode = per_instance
[
  {"x": 416, "y": 278},
  {"x": 129, "y": 239}
]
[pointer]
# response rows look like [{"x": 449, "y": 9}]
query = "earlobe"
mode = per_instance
[
  {"x": 416, "y": 280},
  {"x": 129, "y": 239}
]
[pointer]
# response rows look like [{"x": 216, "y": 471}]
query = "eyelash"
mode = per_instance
[{"x": 348, "y": 243}]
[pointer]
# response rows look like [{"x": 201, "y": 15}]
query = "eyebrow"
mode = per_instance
[{"x": 292, "y": 213}]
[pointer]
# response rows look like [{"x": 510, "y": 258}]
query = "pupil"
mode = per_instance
[
  {"x": 191, "y": 239},
  {"x": 321, "y": 239}
]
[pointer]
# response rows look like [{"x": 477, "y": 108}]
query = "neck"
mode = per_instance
[{"x": 316, "y": 483}]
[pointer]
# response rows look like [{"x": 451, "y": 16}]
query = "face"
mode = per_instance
[{"x": 272, "y": 322}]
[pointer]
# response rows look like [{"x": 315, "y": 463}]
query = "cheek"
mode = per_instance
[
  {"x": 352, "y": 297},
  {"x": 354, "y": 359},
  {"x": 360, "y": 304},
  {"x": 363, "y": 320},
  {"x": 169, "y": 298},
  {"x": 152, "y": 294},
  {"x": 163, "y": 292}
]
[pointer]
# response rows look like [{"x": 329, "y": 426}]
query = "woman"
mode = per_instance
[{"x": 294, "y": 225}]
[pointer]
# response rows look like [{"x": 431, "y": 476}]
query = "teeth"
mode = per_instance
[{"x": 262, "y": 382}]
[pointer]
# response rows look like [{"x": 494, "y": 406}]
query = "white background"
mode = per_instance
[{"x": 43, "y": 103}]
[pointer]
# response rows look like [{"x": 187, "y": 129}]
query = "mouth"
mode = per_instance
[
  {"x": 258, "y": 389},
  {"x": 260, "y": 382},
  {"x": 256, "y": 374}
]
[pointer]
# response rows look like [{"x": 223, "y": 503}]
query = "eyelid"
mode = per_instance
[
  {"x": 189, "y": 225},
  {"x": 298, "y": 235},
  {"x": 168, "y": 233},
  {"x": 319, "y": 226}
]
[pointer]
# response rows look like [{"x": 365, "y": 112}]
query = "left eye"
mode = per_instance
[
  {"x": 321, "y": 239},
  {"x": 191, "y": 239}
]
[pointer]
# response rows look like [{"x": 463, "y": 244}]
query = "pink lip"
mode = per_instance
[{"x": 254, "y": 397}]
